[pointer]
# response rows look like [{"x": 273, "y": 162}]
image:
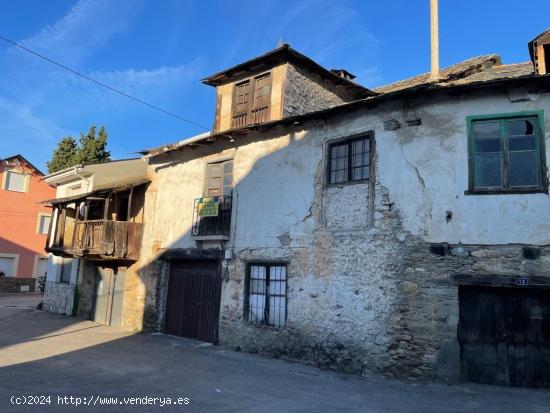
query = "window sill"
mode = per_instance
[
  {"x": 506, "y": 191},
  {"x": 265, "y": 326},
  {"x": 347, "y": 183}
]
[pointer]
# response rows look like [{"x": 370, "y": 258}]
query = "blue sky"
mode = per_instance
[{"x": 159, "y": 51}]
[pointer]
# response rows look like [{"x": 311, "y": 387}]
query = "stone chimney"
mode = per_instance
[{"x": 344, "y": 74}]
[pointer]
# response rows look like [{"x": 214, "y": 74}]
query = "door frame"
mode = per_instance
[
  {"x": 217, "y": 310},
  {"x": 115, "y": 272}
]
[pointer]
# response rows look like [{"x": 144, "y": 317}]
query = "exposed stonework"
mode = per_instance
[
  {"x": 17, "y": 284},
  {"x": 372, "y": 287},
  {"x": 305, "y": 92},
  {"x": 58, "y": 298},
  {"x": 341, "y": 269},
  {"x": 85, "y": 287}
]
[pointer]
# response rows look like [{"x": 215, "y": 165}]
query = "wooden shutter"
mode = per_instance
[
  {"x": 262, "y": 98},
  {"x": 241, "y": 104},
  {"x": 214, "y": 179},
  {"x": 252, "y": 100},
  {"x": 219, "y": 178}
]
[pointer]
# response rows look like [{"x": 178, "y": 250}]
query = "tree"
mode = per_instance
[
  {"x": 65, "y": 155},
  {"x": 92, "y": 148}
]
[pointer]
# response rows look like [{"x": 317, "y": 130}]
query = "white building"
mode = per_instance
[{"x": 402, "y": 231}]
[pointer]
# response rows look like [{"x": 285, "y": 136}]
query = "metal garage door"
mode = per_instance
[
  {"x": 193, "y": 303},
  {"x": 504, "y": 335}
]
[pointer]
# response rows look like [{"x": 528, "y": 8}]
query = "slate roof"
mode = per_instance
[
  {"x": 285, "y": 53},
  {"x": 476, "y": 69},
  {"x": 476, "y": 72}
]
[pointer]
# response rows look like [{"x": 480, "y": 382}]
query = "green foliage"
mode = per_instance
[
  {"x": 91, "y": 149},
  {"x": 93, "y": 146},
  {"x": 65, "y": 155}
]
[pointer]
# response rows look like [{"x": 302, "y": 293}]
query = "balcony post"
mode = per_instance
[
  {"x": 61, "y": 230},
  {"x": 104, "y": 226},
  {"x": 50, "y": 227},
  {"x": 130, "y": 204},
  {"x": 86, "y": 209}
]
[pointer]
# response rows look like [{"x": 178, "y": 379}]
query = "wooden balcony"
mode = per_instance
[
  {"x": 103, "y": 225},
  {"x": 99, "y": 239}
]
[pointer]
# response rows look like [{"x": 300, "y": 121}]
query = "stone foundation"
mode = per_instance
[
  {"x": 17, "y": 285},
  {"x": 375, "y": 301},
  {"x": 58, "y": 298}
]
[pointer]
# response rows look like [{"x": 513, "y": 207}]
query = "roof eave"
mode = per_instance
[
  {"x": 375, "y": 100},
  {"x": 286, "y": 53}
]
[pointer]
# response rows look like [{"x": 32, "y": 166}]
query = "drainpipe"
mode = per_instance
[{"x": 434, "y": 36}]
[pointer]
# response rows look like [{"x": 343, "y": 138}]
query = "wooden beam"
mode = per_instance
[
  {"x": 541, "y": 60},
  {"x": 130, "y": 204},
  {"x": 50, "y": 227}
]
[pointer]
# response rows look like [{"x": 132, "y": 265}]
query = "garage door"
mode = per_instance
[
  {"x": 504, "y": 335},
  {"x": 193, "y": 303},
  {"x": 7, "y": 266}
]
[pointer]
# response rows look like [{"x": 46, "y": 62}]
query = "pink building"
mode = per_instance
[{"x": 24, "y": 222}]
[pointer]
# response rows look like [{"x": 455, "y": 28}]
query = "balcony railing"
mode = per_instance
[
  {"x": 212, "y": 216},
  {"x": 257, "y": 115},
  {"x": 100, "y": 239}
]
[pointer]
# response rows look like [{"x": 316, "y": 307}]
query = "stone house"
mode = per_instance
[{"x": 400, "y": 231}]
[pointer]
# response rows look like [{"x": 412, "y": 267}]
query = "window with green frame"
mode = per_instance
[{"x": 506, "y": 153}]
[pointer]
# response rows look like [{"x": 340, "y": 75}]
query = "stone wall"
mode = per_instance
[
  {"x": 370, "y": 289},
  {"x": 85, "y": 287},
  {"x": 339, "y": 289},
  {"x": 17, "y": 284},
  {"x": 58, "y": 297},
  {"x": 422, "y": 331},
  {"x": 306, "y": 92},
  {"x": 382, "y": 301}
]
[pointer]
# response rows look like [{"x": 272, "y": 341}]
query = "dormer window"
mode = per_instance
[
  {"x": 252, "y": 100},
  {"x": 539, "y": 48}
]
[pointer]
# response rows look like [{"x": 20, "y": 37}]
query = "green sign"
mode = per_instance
[{"x": 208, "y": 207}]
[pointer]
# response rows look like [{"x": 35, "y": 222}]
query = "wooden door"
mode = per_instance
[
  {"x": 193, "y": 303},
  {"x": 102, "y": 296},
  {"x": 504, "y": 334},
  {"x": 108, "y": 297}
]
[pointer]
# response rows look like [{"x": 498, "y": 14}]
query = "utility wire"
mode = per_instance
[{"x": 97, "y": 82}]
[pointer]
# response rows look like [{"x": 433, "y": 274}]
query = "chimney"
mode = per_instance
[
  {"x": 344, "y": 74},
  {"x": 434, "y": 36}
]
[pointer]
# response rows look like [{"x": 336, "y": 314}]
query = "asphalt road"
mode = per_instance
[{"x": 109, "y": 370}]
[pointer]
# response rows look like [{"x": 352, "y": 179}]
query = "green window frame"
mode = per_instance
[{"x": 506, "y": 153}]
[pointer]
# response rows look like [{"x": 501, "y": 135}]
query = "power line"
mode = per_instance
[{"x": 97, "y": 82}]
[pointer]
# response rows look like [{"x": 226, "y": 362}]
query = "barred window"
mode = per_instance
[
  {"x": 266, "y": 294},
  {"x": 349, "y": 160}
]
